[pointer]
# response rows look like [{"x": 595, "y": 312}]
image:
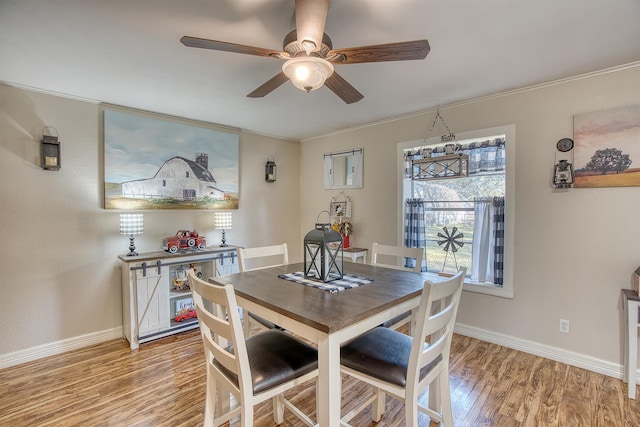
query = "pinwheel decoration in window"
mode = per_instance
[{"x": 450, "y": 243}]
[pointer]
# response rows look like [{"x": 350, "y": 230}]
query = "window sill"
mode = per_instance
[{"x": 488, "y": 289}]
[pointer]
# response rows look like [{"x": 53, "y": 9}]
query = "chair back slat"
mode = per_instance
[
  {"x": 393, "y": 256},
  {"x": 273, "y": 256},
  {"x": 432, "y": 352},
  {"x": 438, "y": 322},
  {"x": 216, "y": 339},
  {"x": 220, "y": 325}
]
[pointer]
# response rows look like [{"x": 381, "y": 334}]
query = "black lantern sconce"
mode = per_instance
[
  {"x": 323, "y": 250},
  {"x": 563, "y": 174},
  {"x": 563, "y": 170},
  {"x": 50, "y": 151},
  {"x": 270, "y": 170}
]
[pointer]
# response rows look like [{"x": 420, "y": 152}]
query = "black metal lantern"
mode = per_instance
[
  {"x": 270, "y": 170},
  {"x": 563, "y": 174},
  {"x": 50, "y": 151},
  {"x": 323, "y": 253}
]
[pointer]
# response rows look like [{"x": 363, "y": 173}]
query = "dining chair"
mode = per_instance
[
  {"x": 395, "y": 258},
  {"x": 254, "y": 369},
  {"x": 262, "y": 257},
  {"x": 403, "y": 366},
  {"x": 257, "y": 258}
]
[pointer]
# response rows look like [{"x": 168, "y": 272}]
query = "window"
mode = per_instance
[{"x": 472, "y": 214}]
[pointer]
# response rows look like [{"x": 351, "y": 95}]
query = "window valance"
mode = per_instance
[{"x": 486, "y": 156}]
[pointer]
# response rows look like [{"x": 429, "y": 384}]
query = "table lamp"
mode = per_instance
[
  {"x": 222, "y": 221},
  {"x": 131, "y": 224}
]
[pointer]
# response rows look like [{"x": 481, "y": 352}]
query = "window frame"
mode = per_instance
[{"x": 506, "y": 291}]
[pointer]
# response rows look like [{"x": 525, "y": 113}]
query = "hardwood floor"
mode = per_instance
[{"x": 162, "y": 384}]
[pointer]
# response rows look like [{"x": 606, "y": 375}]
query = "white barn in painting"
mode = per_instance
[{"x": 177, "y": 178}]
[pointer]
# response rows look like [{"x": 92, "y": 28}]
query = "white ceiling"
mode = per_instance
[{"x": 127, "y": 52}]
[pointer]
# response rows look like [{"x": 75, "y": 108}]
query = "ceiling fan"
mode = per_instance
[{"x": 310, "y": 56}]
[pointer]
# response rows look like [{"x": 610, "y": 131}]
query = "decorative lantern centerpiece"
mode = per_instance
[{"x": 323, "y": 253}]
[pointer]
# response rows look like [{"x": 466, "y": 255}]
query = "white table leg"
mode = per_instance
[
  {"x": 631, "y": 357},
  {"x": 329, "y": 382}
]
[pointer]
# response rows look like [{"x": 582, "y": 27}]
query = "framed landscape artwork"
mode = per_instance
[
  {"x": 607, "y": 148},
  {"x": 152, "y": 162}
]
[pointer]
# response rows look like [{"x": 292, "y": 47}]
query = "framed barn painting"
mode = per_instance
[
  {"x": 607, "y": 148},
  {"x": 155, "y": 162}
]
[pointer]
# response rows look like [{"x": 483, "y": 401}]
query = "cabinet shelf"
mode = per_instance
[
  {"x": 184, "y": 323},
  {"x": 179, "y": 294}
]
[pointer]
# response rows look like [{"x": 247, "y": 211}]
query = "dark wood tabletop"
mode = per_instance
[{"x": 323, "y": 310}]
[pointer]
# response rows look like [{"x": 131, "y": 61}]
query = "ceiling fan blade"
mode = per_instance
[
  {"x": 231, "y": 47},
  {"x": 269, "y": 86},
  {"x": 311, "y": 16},
  {"x": 343, "y": 89},
  {"x": 401, "y": 51}
]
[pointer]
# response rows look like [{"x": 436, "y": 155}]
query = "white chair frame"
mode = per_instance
[
  {"x": 245, "y": 254},
  {"x": 436, "y": 319},
  {"x": 219, "y": 326},
  {"x": 272, "y": 252},
  {"x": 400, "y": 253}
]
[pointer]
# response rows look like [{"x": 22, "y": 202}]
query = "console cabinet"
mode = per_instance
[{"x": 154, "y": 291}]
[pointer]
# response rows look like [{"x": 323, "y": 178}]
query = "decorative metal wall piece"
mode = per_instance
[{"x": 448, "y": 166}]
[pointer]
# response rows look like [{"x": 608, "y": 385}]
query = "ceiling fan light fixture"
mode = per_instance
[
  {"x": 308, "y": 46},
  {"x": 308, "y": 72}
]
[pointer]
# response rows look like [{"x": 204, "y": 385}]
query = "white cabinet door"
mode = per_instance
[
  {"x": 152, "y": 293},
  {"x": 227, "y": 264}
]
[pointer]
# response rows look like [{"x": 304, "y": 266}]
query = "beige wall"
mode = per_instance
[
  {"x": 574, "y": 250},
  {"x": 59, "y": 272}
]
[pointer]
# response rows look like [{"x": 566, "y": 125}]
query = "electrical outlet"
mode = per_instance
[{"x": 564, "y": 326}]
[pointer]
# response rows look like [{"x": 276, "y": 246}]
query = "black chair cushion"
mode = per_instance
[
  {"x": 390, "y": 323},
  {"x": 275, "y": 357},
  {"x": 383, "y": 354}
]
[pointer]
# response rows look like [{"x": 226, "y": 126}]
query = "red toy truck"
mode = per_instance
[
  {"x": 187, "y": 313},
  {"x": 184, "y": 239}
]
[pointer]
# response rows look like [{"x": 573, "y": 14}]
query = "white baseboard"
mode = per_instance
[
  {"x": 58, "y": 347},
  {"x": 553, "y": 353}
]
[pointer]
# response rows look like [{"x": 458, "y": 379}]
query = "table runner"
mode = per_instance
[{"x": 348, "y": 281}]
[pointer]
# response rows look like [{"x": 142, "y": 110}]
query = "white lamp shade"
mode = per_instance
[
  {"x": 308, "y": 72},
  {"x": 131, "y": 223},
  {"x": 222, "y": 220}
]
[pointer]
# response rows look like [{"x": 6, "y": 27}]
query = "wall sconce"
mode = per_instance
[
  {"x": 563, "y": 169},
  {"x": 563, "y": 174},
  {"x": 131, "y": 224},
  {"x": 323, "y": 248},
  {"x": 222, "y": 221},
  {"x": 50, "y": 151},
  {"x": 270, "y": 170}
]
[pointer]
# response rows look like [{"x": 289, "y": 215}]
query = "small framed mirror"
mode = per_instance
[{"x": 343, "y": 169}]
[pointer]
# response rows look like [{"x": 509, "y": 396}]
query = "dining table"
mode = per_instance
[{"x": 328, "y": 318}]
